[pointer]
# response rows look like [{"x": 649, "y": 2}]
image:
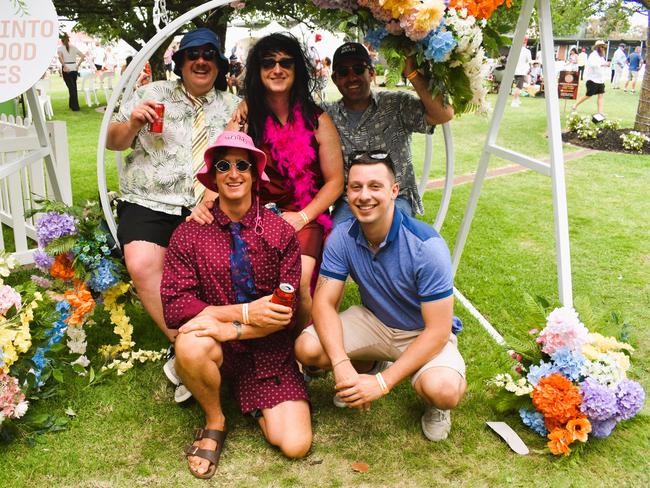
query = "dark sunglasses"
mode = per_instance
[
  {"x": 377, "y": 155},
  {"x": 224, "y": 166},
  {"x": 357, "y": 69},
  {"x": 285, "y": 63},
  {"x": 196, "y": 53}
]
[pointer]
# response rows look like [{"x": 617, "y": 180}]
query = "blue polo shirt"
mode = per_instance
[{"x": 411, "y": 266}]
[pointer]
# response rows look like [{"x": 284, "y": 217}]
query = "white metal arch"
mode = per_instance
[{"x": 130, "y": 76}]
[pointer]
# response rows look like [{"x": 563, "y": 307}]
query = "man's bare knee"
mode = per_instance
[
  {"x": 442, "y": 387},
  {"x": 309, "y": 351},
  {"x": 191, "y": 350},
  {"x": 295, "y": 445}
]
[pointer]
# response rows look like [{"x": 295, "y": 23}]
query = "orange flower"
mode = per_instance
[
  {"x": 557, "y": 398},
  {"x": 81, "y": 301},
  {"x": 62, "y": 268},
  {"x": 560, "y": 439},
  {"x": 579, "y": 428},
  {"x": 481, "y": 9}
]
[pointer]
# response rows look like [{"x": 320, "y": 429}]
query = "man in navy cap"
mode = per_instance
[
  {"x": 382, "y": 120},
  {"x": 158, "y": 185}
]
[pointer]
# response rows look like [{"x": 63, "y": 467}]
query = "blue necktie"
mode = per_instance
[{"x": 241, "y": 270}]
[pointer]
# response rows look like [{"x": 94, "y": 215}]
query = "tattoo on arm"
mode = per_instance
[{"x": 321, "y": 282}]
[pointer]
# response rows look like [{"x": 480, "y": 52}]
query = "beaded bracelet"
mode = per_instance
[{"x": 304, "y": 216}]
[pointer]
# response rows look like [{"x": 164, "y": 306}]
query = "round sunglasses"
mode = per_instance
[
  {"x": 285, "y": 63},
  {"x": 196, "y": 53},
  {"x": 224, "y": 166},
  {"x": 357, "y": 69}
]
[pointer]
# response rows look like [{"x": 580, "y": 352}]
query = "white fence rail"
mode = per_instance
[{"x": 24, "y": 178}]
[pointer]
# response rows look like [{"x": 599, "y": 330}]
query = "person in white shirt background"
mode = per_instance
[
  {"x": 595, "y": 75},
  {"x": 70, "y": 58},
  {"x": 619, "y": 61},
  {"x": 521, "y": 72}
]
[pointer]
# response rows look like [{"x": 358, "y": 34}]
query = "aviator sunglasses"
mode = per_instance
[
  {"x": 224, "y": 166},
  {"x": 357, "y": 69},
  {"x": 206, "y": 54},
  {"x": 285, "y": 63}
]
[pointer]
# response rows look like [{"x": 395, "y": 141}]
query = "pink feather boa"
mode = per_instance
[{"x": 291, "y": 147}]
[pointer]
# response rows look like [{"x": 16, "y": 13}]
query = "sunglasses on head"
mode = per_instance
[
  {"x": 196, "y": 53},
  {"x": 357, "y": 69},
  {"x": 377, "y": 155},
  {"x": 224, "y": 166},
  {"x": 285, "y": 63}
]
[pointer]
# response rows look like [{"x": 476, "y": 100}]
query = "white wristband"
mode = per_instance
[{"x": 244, "y": 313}]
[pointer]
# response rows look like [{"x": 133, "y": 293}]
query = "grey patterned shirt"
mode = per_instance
[
  {"x": 158, "y": 172},
  {"x": 386, "y": 124}
]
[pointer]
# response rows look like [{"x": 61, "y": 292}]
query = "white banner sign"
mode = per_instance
[{"x": 29, "y": 31}]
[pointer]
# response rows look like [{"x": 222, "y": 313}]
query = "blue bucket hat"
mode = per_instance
[{"x": 197, "y": 38}]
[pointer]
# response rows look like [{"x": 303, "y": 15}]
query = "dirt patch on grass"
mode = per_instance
[{"x": 607, "y": 140}]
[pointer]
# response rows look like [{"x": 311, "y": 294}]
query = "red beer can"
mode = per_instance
[
  {"x": 157, "y": 125},
  {"x": 284, "y": 295}
]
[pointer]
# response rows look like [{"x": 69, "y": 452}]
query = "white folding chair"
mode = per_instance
[{"x": 87, "y": 78}]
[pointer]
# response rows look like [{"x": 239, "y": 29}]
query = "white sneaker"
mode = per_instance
[
  {"x": 181, "y": 393},
  {"x": 436, "y": 424},
  {"x": 515, "y": 103},
  {"x": 338, "y": 402},
  {"x": 170, "y": 371}
]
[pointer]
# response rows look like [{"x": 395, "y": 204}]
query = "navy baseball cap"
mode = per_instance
[
  {"x": 197, "y": 38},
  {"x": 351, "y": 50}
]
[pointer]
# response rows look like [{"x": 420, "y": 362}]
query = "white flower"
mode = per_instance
[
  {"x": 83, "y": 361},
  {"x": 21, "y": 409},
  {"x": 77, "y": 347}
]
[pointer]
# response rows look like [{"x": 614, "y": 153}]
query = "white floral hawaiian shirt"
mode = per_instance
[{"x": 158, "y": 172}]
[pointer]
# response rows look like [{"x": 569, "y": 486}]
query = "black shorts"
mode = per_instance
[
  {"x": 138, "y": 223},
  {"x": 168, "y": 67},
  {"x": 595, "y": 88},
  {"x": 519, "y": 81},
  {"x": 98, "y": 67}
]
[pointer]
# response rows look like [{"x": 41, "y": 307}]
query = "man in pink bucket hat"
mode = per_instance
[{"x": 217, "y": 283}]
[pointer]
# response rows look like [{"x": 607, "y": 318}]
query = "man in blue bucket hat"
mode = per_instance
[{"x": 158, "y": 184}]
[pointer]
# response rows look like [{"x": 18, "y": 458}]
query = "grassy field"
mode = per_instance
[{"x": 127, "y": 431}]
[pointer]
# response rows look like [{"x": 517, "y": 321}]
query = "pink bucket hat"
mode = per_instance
[{"x": 230, "y": 139}]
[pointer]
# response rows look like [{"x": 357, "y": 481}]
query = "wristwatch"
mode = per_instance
[{"x": 238, "y": 327}]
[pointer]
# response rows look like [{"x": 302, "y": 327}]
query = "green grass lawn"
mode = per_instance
[{"x": 128, "y": 432}]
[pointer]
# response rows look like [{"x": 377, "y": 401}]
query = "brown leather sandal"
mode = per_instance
[{"x": 211, "y": 455}]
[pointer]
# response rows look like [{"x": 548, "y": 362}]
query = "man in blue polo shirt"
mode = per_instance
[{"x": 403, "y": 270}]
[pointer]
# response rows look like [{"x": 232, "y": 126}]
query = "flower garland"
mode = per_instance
[
  {"x": 579, "y": 388},
  {"x": 123, "y": 327},
  {"x": 292, "y": 149}
]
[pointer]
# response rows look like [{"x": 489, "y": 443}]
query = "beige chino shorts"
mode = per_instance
[{"x": 366, "y": 338}]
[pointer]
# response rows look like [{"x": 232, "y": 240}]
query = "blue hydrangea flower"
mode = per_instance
[
  {"x": 2, "y": 355},
  {"x": 568, "y": 362},
  {"x": 598, "y": 402},
  {"x": 375, "y": 36},
  {"x": 537, "y": 372},
  {"x": 629, "y": 399},
  {"x": 438, "y": 44},
  {"x": 534, "y": 420},
  {"x": 602, "y": 429},
  {"x": 103, "y": 277}
]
